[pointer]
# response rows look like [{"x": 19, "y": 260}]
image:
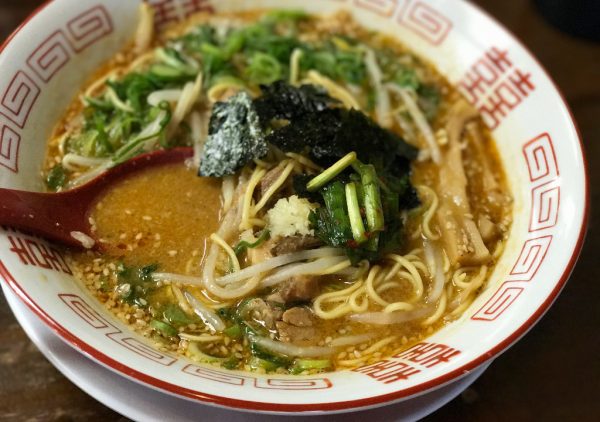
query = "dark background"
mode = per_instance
[{"x": 553, "y": 374}]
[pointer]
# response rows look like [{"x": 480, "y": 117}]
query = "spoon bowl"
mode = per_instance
[{"x": 64, "y": 216}]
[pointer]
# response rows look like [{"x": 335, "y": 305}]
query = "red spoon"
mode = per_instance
[{"x": 61, "y": 216}]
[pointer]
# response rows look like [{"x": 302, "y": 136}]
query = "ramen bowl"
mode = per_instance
[{"x": 43, "y": 64}]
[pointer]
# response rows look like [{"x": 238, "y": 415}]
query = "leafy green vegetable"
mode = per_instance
[
  {"x": 339, "y": 61},
  {"x": 275, "y": 361},
  {"x": 235, "y": 137},
  {"x": 163, "y": 328},
  {"x": 136, "y": 145},
  {"x": 371, "y": 199},
  {"x": 231, "y": 363},
  {"x": 429, "y": 98},
  {"x": 279, "y": 16},
  {"x": 243, "y": 245},
  {"x": 258, "y": 363},
  {"x": 356, "y": 221},
  {"x": 301, "y": 365},
  {"x": 56, "y": 178},
  {"x": 173, "y": 315},
  {"x": 135, "y": 283},
  {"x": 263, "y": 69},
  {"x": 331, "y": 221},
  {"x": 406, "y": 78},
  {"x": 234, "y": 331},
  {"x": 331, "y": 172}
]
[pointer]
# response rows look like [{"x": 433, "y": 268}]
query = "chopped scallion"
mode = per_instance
[
  {"x": 330, "y": 173},
  {"x": 356, "y": 222}
]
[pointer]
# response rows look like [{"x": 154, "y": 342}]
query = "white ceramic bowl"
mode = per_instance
[{"x": 55, "y": 50}]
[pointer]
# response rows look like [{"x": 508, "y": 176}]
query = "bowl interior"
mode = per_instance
[{"x": 57, "y": 49}]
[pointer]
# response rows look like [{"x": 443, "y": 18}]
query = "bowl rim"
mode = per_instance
[{"x": 334, "y": 406}]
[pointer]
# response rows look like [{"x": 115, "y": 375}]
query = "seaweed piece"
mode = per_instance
[
  {"x": 299, "y": 182},
  {"x": 235, "y": 137},
  {"x": 333, "y": 133},
  {"x": 283, "y": 101}
]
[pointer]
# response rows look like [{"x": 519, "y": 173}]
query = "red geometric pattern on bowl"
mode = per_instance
[
  {"x": 541, "y": 158},
  {"x": 89, "y": 27},
  {"x": 168, "y": 11},
  {"x": 10, "y": 141},
  {"x": 499, "y": 302},
  {"x": 44, "y": 62},
  {"x": 50, "y": 56},
  {"x": 381, "y": 7},
  {"x": 18, "y": 98},
  {"x": 235, "y": 378},
  {"x": 84, "y": 311},
  {"x": 542, "y": 166},
  {"x": 425, "y": 21},
  {"x": 530, "y": 259}
]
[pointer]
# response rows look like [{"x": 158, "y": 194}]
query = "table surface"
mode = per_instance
[{"x": 551, "y": 374}]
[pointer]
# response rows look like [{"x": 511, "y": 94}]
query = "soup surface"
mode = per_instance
[{"x": 343, "y": 201}]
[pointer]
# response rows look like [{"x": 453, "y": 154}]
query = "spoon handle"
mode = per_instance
[{"x": 51, "y": 215}]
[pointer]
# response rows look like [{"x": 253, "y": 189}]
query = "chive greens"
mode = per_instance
[
  {"x": 243, "y": 245},
  {"x": 331, "y": 172},
  {"x": 356, "y": 221}
]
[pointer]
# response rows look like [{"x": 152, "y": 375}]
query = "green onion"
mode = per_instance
[
  {"x": 356, "y": 222},
  {"x": 166, "y": 72},
  {"x": 163, "y": 328},
  {"x": 132, "y": 148},
  {"x": 372, "y": 196},
  {"x": 301, "y": 365},
  {"x": 56, "y": 177},
  {"x": 327, "y": 175},
  {"x": 243, "y": 245},
  {"x": 234, "y": 331},
  {"x": 231, "y": 363},
  {"x": 263, "y": 69},
  {"x": 256, "y": 363}
]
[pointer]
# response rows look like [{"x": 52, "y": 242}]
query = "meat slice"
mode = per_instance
[
  {"x": 299, "y": 288},
  {"x": 267, "y": 181},
  {"x": 291, "y": 334},
  {"x": 298, "y": 316},
  {"x": 291, "y": 244},
  {"x": 297, "y": 326},
  {"x": 259, "y": 311}
]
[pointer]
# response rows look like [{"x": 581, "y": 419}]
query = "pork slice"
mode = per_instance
[
  {"x": 291, "y": 244},
  {"x": 291, "y": 334},
  {"x": 261, "y": 312},
  {"x": 299, "y": 288},
  {"x": 298, "y": 316},
  {"x": 267, "y": 181}
]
